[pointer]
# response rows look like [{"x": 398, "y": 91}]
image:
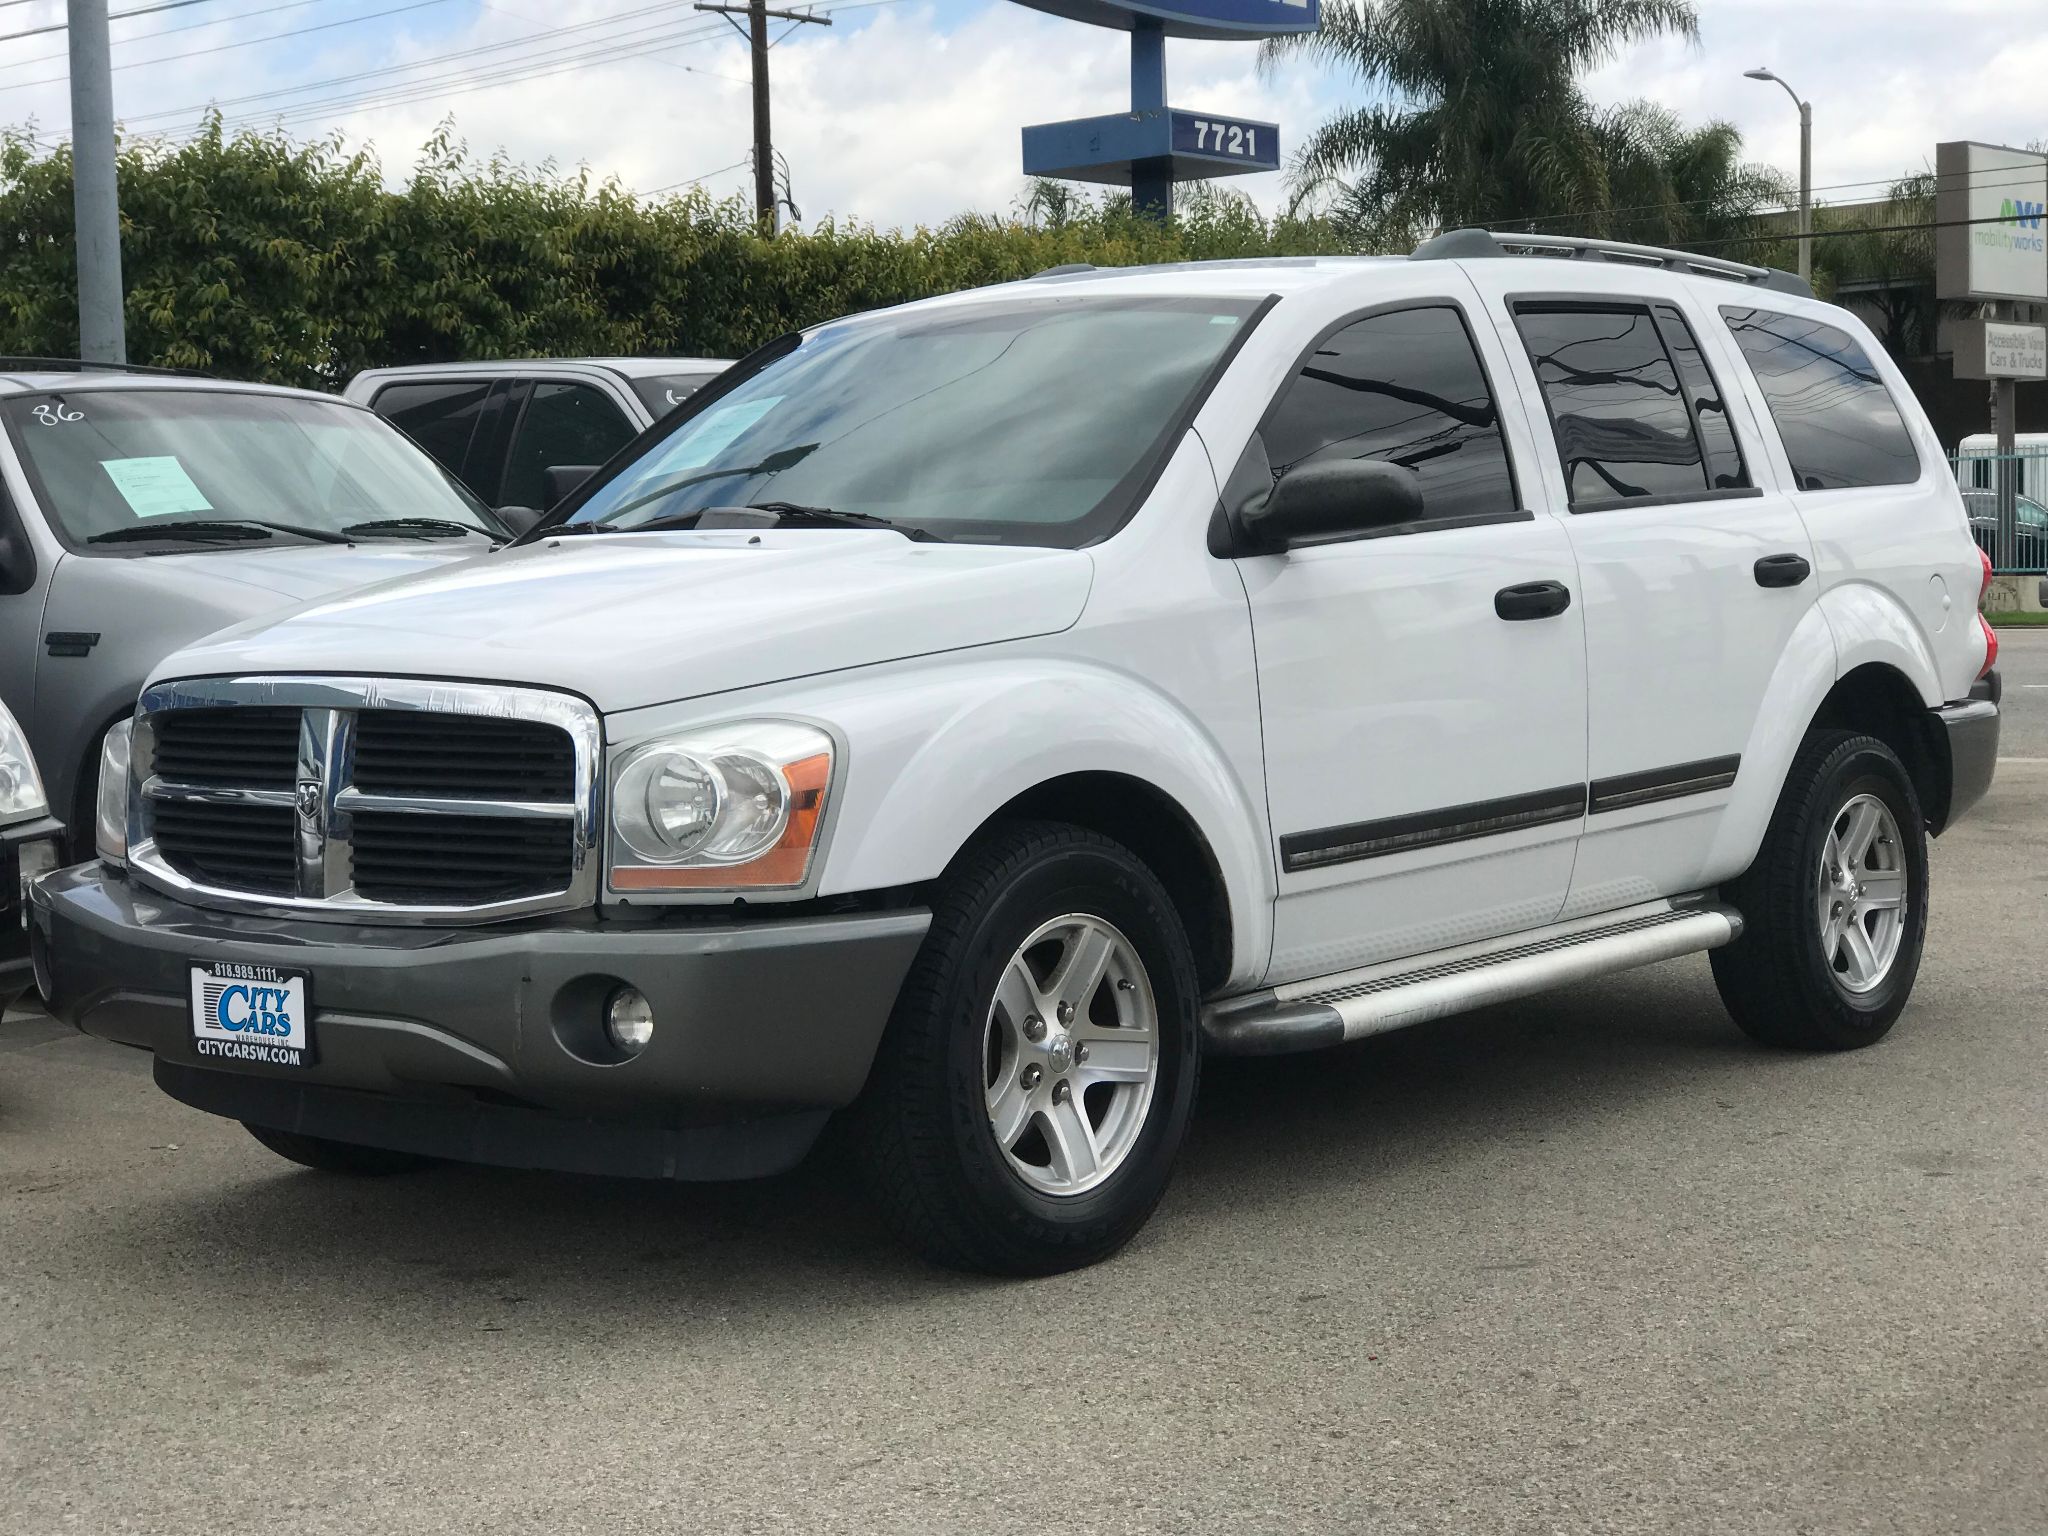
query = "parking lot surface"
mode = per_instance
[{"x": 1586, "y": 1263}]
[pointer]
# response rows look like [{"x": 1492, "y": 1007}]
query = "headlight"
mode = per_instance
[
  {"x": 110, "y": 814},
  {"x": 735, "y": 807},
  {"x": 21, "y": 787}
]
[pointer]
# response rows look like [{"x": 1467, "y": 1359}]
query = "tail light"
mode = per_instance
[{"x": 1990, "y": 634}]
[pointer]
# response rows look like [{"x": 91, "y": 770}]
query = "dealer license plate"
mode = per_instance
[{"x": 253, "y": 1013}]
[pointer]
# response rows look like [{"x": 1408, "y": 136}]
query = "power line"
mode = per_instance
[
  {"x": 402, "y": 93},
  {"x": 1525, "y": 224},
  {"x": 504, "y": 72},
  {"x": 549, "y": 36},
  {"x": 1840, "y": 234},
  {"x": 246, "y": 42},
  {"x": 146, "y": 10},
  {"x": 143, "y": 37},
  {"x": 691, "y": 181}
]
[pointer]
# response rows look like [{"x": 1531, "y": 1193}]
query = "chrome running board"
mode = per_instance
[{"x": 1328, "y": 1010}]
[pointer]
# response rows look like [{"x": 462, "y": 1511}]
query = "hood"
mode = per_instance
[
  {"x": 165, "y": 601},
  {"x": 630, "y": 620}
]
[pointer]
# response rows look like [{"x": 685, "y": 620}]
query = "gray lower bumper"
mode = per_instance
[
  {"x": 487, "y": 1041},
  {"x": 1971, "y": 731}
]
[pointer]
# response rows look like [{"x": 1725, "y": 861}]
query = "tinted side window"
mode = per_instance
[
  {"x": 1837, "y": 419},
  {"x": 1725, "y": 471},
  {"x": 441, "y": 418},
  {"x": 1407, "y": 388},
  {"x": 563, "y": 424},
  {"x": 1623, "y": 427}
]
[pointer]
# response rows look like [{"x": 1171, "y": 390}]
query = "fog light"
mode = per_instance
[{"x": 629, "y": 1020}]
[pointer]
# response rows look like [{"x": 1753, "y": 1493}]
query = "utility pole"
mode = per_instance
[
  {"x": 756, "y": 34},
  {"x": 95, "y": 194}
]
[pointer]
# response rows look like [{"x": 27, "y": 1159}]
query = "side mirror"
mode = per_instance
[
  {"x": 558, "y": 480},
  {"x": 518, "y": 519},
  {"x": 1332, "y": 499}
]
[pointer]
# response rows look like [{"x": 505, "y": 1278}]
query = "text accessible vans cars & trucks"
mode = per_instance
[{"x": 969, "y": 715}]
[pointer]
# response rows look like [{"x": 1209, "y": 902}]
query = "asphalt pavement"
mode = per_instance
[{"x": 1590, "y": 1263}]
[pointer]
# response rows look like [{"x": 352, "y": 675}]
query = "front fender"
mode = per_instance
[
  {"x": 936, "y": 747},
  {"x": 933, "y": 757}
]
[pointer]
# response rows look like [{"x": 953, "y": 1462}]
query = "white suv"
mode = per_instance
[{"x": 971, "y": 714}]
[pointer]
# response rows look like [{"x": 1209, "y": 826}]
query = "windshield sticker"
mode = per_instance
[
  {"x": 156, "y": 487},
  {"x": 49, "y": 415},
  {"x": 715, "y": 432}
]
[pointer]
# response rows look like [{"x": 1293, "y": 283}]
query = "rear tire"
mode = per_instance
[
  {"x": 337, "y": 1156},
  {"x": 1022, "y": 1119},
  {"x": 1835, "y": 907}
]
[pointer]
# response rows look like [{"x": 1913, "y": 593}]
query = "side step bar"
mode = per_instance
[{"x": 1328, "y": 1010}]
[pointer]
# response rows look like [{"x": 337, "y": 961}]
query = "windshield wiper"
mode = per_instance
[
  {"x": 777, "y": 514},
  {"x": 794, "y": 514},
  {"x": 774, "y": 464},
  {"x": 201, "y": 529},
  {"x": 415, "y": 528}
]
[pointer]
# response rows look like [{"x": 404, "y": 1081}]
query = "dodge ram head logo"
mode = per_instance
[{"x": 309, "y": 802}]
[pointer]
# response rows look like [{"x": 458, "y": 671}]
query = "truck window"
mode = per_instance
[
  {"x": 1405, "y": 387},
  {"x": 563, "y": 424},
  {"x": 440, "y": 416},
  {"x": 1626, "y": 426},
  {"x": 1839, "y": 423}
]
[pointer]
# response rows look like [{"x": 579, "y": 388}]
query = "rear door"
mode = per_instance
[
  {"x": 1694, "y": 570},
  {"x": 1425, "y": 739}
]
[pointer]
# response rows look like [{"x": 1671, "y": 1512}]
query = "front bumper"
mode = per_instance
[
  {"x": 486, "y": 1043},
  {"x": 15, "y": 973},
  {"x": 1970, "y": 731}
]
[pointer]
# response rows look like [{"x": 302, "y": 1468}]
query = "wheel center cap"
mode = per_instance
[{"x": 1059, "y": 1050}]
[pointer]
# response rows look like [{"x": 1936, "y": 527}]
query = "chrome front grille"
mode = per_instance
[{"x": 368, "y": 799}]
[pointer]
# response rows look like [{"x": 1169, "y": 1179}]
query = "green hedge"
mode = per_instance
[{"x": 257, "y": 257}]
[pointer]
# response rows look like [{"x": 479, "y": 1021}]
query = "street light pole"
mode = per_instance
[
  {"x": 95, "y": 196},
  {"x": 1805, "y": 169}
]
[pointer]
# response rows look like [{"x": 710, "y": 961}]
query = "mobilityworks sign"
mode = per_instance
[{"x": 1989, "y": 202}]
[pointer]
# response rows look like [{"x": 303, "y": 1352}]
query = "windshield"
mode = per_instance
[
  {"x": 663, "y": 392},
  {"x": 113, "y": 461},
  {"x": 1030, "y": 421}
]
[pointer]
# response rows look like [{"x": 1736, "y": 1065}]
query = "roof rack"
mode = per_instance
[
  {"x": 1065, "y": 269},
  {"x": 80, "y": 365},
  {"x": 1466, "y": 244}
]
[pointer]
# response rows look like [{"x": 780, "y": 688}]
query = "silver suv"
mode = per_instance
[
  {"x": 524, "y": 433},
  {"x": 141, "y": 511}
]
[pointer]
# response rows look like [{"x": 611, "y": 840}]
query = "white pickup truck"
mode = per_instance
[{"x": 970, "y": 715}]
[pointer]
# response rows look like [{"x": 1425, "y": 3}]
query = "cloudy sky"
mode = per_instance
[{"x": 907, "y": 111}]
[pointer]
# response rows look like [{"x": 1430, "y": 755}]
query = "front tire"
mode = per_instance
[
  {"x": 337, "y": 1156},
  {"x": 1037, "y": 1076},
  {"x": 1835, "y": 907}
]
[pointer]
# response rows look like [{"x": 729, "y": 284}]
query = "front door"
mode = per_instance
[{"x": 1422, "y": 692}]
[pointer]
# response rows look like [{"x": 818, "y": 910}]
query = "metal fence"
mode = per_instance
[{"x": 2017, "y": 541}]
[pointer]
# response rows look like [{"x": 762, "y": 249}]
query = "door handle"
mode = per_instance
[
  {"x": 1532, "y": 600},
  {"x": 1781, "y": 570}
]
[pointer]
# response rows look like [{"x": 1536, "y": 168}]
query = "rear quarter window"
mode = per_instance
[{"x": 1840, "y": 426}]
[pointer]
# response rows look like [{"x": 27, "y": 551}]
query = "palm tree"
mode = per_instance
[{"x": 1480, "y": 120}]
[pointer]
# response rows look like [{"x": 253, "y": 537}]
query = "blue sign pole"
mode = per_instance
[
  {"x": 1151, "y": 179},
  {"x": 1153, "y": 145}
]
